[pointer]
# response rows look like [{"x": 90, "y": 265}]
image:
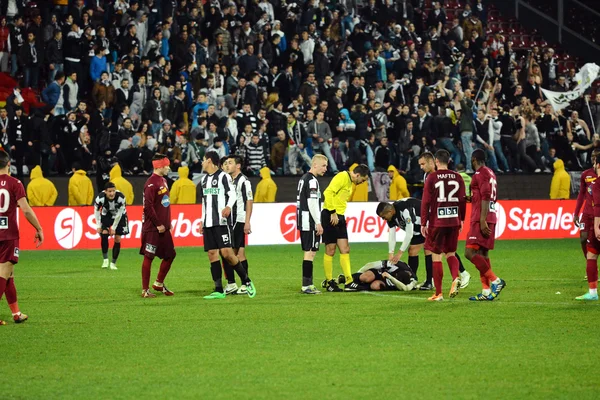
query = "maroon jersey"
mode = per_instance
[
  {"x": 11, "y": 191},
  {"x": 157, "y": 204},
  {"x": 596, "y": 199},
  {"x": 444, "y": 203},
  {"x": 585, "y": 192},
  {"x": 483, "y": 187}
]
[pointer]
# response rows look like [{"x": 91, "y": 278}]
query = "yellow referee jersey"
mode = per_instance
[{"x": 338, "y": 192}]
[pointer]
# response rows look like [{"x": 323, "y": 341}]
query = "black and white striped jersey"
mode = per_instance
[
  {"x": 407, "y": 211},
  {"x": 309, "y": 197},
  {"x": 218, "y": 192},
  {"x": 243, "y": 189},
  {"x": 107, "y": 208}
]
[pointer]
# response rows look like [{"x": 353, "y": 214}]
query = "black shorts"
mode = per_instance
[
  {"x": 331, "y": 233},
  {"x": 310, "y": 240},
  {"x": 417, "y": 239},
  {"x": 217, "y": 237},
  {"x": 239, "y": 237},
  {"x": 122, "y": 228},
  {"x": 377, "y": 273}
]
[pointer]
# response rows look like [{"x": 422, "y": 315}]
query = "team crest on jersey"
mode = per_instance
[
  {"x": 166, "y": 202},
  {"x": 590, "y": 179},
  {"x": 589, "y": 190},
  {"x": 162, "y": 190},
  {"x": 214, "y": 182},
  {"x": 16, "y": 252},
  {"x": 150, "y": 248}
]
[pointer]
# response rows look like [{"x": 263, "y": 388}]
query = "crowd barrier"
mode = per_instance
[{"x": 273, "y": 224}]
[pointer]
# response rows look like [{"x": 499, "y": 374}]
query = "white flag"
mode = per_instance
[{"x": 585, "y": 77}]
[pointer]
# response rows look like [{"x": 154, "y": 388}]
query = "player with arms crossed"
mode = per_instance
[
  {"x": 481, "y": 236},
  {"x": 442, "y": 214},
  {"x": 242, "y": 212},
  {"x": 12, "y": 195},
  {"x": 585, "y": 197},
  {"x": 404, "y": 214},
  {"x": 593, "y": 240},
  {"x": 218, "y": 198},
  {"x": 156, "y": 229},
  {"x": 308, "y": 219},
  {"x": 111, "y": 220},
  {"x": 335, "y": 233}
]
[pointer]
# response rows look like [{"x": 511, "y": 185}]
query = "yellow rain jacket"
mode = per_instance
[
  {"x": 398, "y": 186},
  {"x": 266, "y": 190},
  {"x": 560, "y": 188},
  {"x": 40, "y": 191},
  {"x": 122, "y": 184},
  {"x": 183, "y": 190},
  {"x": 81, "y": 190},
  {"x": 360, "y": 192}
]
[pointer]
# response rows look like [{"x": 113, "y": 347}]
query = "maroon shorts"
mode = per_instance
[
  {"x": 159, "y": 245},
  {"x": 587, "y": 222},
  {"x": 9, "y": 251},
  {"x": 442, "y": 240},
  {"x": 593, "y": 245},
  {"x": 476, "y": 240}
]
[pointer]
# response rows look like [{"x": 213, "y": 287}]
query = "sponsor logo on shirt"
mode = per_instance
[
  {"x": 150, "y": 248},
  {"x": 3, "y": 222},
  {"x": 211, "y": 191},
  {"x": 16, "y": 252},
  {"x": 447, "y": 212},
  {"x": 162, "y": 190},
  {"x": 166, "y": 202}
]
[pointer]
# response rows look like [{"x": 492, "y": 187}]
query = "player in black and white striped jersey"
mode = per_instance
[
  {"x": 308, "y": 219},
  {"x": 218, "y": 199},
  {"x": 242, "y": 212}
]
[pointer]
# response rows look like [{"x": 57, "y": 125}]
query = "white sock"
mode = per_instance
[
  {"x": 486, "y": 292},
  {"x": 497, "y": 281},
  {"x": 594, "y": 292}
]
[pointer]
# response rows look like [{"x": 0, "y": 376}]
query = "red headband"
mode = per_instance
[{"x": 163, "y": 162}]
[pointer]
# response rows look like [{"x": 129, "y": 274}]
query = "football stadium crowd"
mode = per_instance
[{"x": 87, "y": 84}]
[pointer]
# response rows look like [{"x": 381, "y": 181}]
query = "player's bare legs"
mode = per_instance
[
  {"x": 7, "y": 287},
  {"x": 592, "y": 277}
]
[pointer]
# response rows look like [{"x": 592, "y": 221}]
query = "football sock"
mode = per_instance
[
  {"x": 413, "y": 263},
  {"x": 438, "y": 274},
  {"x": 217, "y": 275},
  {"x": 490, "y": 275},
  {"x": 346, "y": 268},
  {"x": 115, "y": 252},
  {"x": 229, "y": 274},
  {"x": 104, "y": 243},
  {"x": 165, "y": 266},
  {"x": 11, "y": 296},
  {"x": 328, "y": 267},
  {"x": 239, "y": 269},
  {"x": 461, "y": 267},
  {"x": 429, "y": 268},
  {"x": 480, "y": 263},
  {"x": 453, "y": 265},
  {"x": 245, "y": 265},
  {"x": 485, "y": 282},
  {"x": 307, "y": 273},
  {"x": 356, "y": 277},
  {"x": 592, "y": 273},
  {"x": 146, "y": 267},
  {"x": 3, "y": 283}
]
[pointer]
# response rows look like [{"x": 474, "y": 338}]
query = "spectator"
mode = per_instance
[
  {"x": 183, "y": 190},
  {"x": 40, "y": 191},
  {"x": 81, "y": 190},
  {"x": 460, "y": 168},
  {"x": 278, "y": 152},
  {"x": 255, "y": 156},
  {"x": 398, "y": 186},
  {"x": 123, "y": 186},
  {"x": 266, "y": 190},
  {"x": 4, "y": 46},
  {"x": 466, "y": 127},
  {"x": 70, "y": 93},
  {"x": 560, "y": 188},
  {"x": 53, "y": 92},
  {"x": 359, "y": 192},
  {"x": 98, "y": 65},
  {"x": 296, "y": 153},
  {"x": 30, "y": 58},
  {"x": 104, "y": 92}
]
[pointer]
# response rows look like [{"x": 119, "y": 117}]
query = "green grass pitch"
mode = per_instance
[{"x": 91, "y": 336}]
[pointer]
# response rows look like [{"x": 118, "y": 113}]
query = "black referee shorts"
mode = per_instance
[
  {"x": 331, "y": 234},
  {"x": 121, "y": 230},
  {"x": 239, "y": 237},
  {"x": 310, "y": 240},
  {"x": 216, "y": 238}
]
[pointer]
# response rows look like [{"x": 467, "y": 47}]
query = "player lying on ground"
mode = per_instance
[
  {"x": 383, "y": 275},
  {"x": 12, "y": 194},
  {"x": 111, "y": 220}
]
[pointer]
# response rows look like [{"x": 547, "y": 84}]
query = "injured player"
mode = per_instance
[{"x": 384, "y": 275}]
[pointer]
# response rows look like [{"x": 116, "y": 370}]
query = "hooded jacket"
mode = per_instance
[
  {"x": 123, "y": 186},
  {"x": 560, "y": 188},
  {"x": 81, "y": 190},
  {"x": 40, "y": 191},
  {"x": 398, "y": 187},
  {"x": 183, "y": 190},
  {"x": 347, "y": 123},
  {"x": 360, "y": 192},
  {"x": 266, "y": 190}
]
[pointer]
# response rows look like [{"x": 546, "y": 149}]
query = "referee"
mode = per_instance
[
  {"x": 308, "y": 219},
  {"x": 335, "y": 233}
]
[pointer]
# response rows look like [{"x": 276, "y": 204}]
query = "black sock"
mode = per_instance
[
  {"x": 239, "y": 269},
  {"x": 307, "y": 273},
  {"x": 116, "y": 251},
  {"x": 228, "y": 272},
  {"x": 217, "y": 275},
  {"x": 413, "y": 263},
  {"x": 245, "y": 265},
  {"x": 429, "y": 269},
  {"x": 104, "y": 243},
  {"x": 356, "y": 277},
  {"x": 461, "y": 267}
]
